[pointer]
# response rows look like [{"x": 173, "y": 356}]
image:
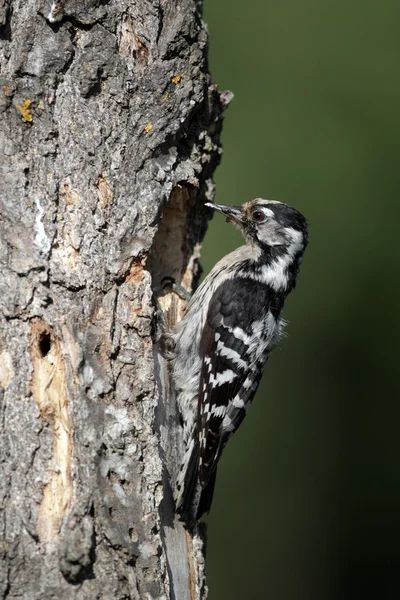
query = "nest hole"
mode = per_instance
[{"x": 44, "y": 344}]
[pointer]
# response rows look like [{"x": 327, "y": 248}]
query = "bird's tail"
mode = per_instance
[{"x": 192, "y": 500}]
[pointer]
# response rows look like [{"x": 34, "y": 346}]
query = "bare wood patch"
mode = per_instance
[
  {"x": 171, "y": 255},
  {"x": 129, "y": 43},
  {"x": 104, "y": 193},
  {"x": 136, "y": 271},
  {"x": 6, "y": 368},
  {"x": 191, "y": 567},
  {"x": 50, "y": 392},
  {"x": 66, "y": 248},
  {"x": 69, "y": 195}
]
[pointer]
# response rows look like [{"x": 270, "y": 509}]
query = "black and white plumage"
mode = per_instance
[{"x": 222, "y": 343}]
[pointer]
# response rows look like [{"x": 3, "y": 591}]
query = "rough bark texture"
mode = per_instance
[{"x": 108, "y": 118}]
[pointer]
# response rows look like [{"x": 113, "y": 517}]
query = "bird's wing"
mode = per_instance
[{"x": 234, "y": 348}]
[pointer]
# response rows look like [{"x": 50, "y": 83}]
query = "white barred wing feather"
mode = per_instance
[{"x": 234, "y": 351}]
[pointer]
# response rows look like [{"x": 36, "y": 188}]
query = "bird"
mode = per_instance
[{"x": 221, "y": 345}]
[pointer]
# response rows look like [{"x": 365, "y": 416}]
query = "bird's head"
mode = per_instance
[{"x": 268, "y": 223}]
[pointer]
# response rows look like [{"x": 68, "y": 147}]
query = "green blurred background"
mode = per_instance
[{"x": 307, "y": 503}]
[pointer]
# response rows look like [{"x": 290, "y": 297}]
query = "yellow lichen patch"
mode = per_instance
[
  {"x": 6, "y": 368},
  {"x": 50, "y": 392},
  {"x": 165, "y": 96},
  {"x": 104, "y": 192},
  {"x": 177, "y": 78},
  {"x": 24, "y": 109},
  {"x": 148, "y": 127}
]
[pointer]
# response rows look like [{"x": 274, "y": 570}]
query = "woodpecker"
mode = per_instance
[{"x": 221, "y": 345}]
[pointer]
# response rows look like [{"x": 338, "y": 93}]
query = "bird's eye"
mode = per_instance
[{"x": 258, "y": 216}]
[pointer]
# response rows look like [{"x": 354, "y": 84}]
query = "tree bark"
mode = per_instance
[{"x": 109, "y": 136}]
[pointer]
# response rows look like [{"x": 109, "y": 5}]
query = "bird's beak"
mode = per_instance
[{"x": 234, "y": 214}]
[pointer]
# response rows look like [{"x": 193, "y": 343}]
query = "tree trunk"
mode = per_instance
[{"x": 109, "y": 136}]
